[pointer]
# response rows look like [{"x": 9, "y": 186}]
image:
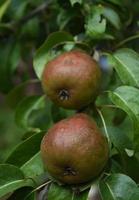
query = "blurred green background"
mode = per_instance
[{"x": 25, "y": 25}]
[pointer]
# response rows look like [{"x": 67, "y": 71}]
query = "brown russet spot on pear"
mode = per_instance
[
  {"x": 74, "y": 150},
  {"x": 72, "y": 79}
]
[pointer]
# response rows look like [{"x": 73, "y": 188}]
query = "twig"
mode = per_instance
[
  {"x": 35, "y": 12},
  {"x": 39, "y": 187},
  {"x": 107, "y": 106},
  {"x": 105, "y": 128},
  {"x": 13, "y": 25},
  {"x": 127, "y": 40}
]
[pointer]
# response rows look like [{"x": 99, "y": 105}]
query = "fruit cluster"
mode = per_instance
[{"x": 74, "y": 150}]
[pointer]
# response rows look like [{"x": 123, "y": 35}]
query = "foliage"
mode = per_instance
[{"x": 31, "y": 34}]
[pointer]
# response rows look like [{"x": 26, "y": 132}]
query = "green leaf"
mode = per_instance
[
  {"x": 68, "y": 46},
  {"x": 105, "y": 192},
  {"x": 30, "y": 29},
  {"x": 119, "y": 138},
  {"x": 126, "y": 63},
  {"x": 33, "y": 167},
  {"x": 57, "y": 192},
  {"x": 17, "y": 9},
  {"x": 60, "y": 113},
  {"x": 24, "y": 151},
  {"x": 81, "y": 196},
  {"x": 116, "y": 167},
  {"x": 64, "y": 17},
  {"x": 30, "y": 196},
  {"x": 9, "y": 59},
  {"x": 14, "y": 56},
  {"x": 4, "y": 7},
  {"x": 116, "y": 2},
  {"x": 17, "y": 93},
  {"x": 126, "y": 98},
  {"x": 21, "y": 194},
  {"x": 25, "y": 107},
  {"x": 112, "y": 17},
  {"x": 11, "y": 178},
  {"x": 41, "y": 118},
  {"x": 130, "y": 165},
  {"x": 119, "y": 187},
  {"x": 76, "y": 1},
  {"x": 95, "y": 25},
  {"x": 9, "y": 173},
  {"x": 43, "y": 53}
]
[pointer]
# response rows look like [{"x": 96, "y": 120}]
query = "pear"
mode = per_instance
[
  {"x": 74, "y": 150},
  {"x": 72, "y": 79}
]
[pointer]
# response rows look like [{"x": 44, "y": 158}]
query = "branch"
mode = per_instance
[
  {"x": 35, "y": 12},
  {"x": 13, "y": 25},
  {"x": 133, "y": 37}
]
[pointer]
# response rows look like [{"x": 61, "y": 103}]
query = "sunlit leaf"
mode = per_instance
[
  {"x": 43, "y": 54},
  {"x": 4, "y": 7},
  {"x": 126, "y": 63},
  {"x": 95, "y": 24},
  {"x": 112, "y": 16},
  {"x": 126, "y": 98},
  {"x": 76, "y": 1}
]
